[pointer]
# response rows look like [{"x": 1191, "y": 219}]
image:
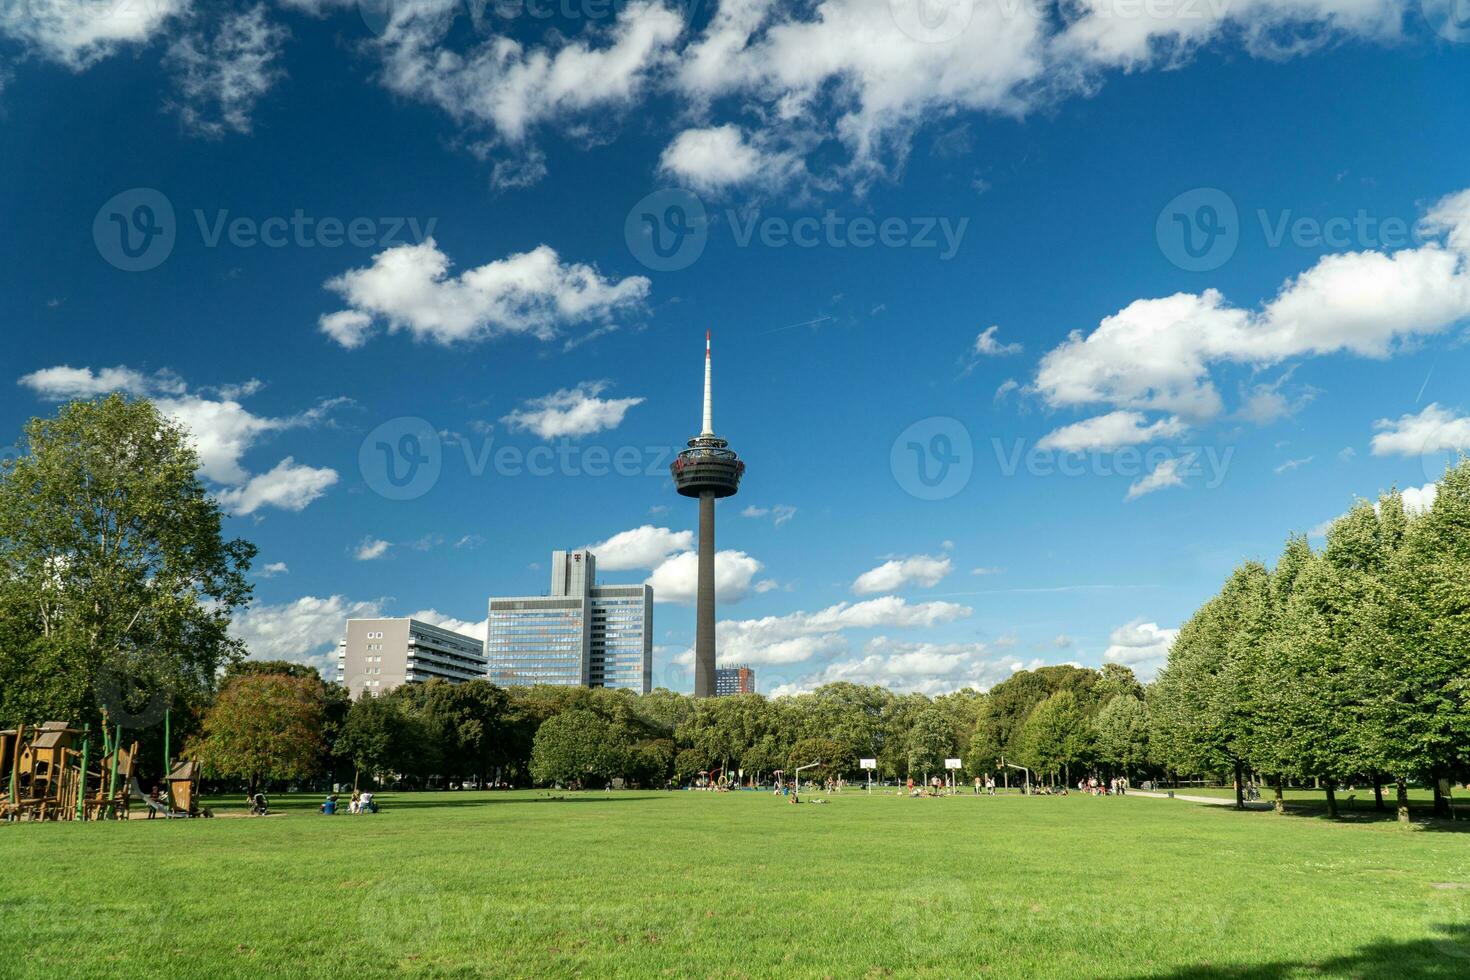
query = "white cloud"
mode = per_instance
[
  {"x": 1102, "y": 32},
  {"x": 274, "y": 568},
  {"x": 372, "y": 548},
  {"x": 511, "y": 89},
  {"x": 899, "y": 573},
  {"x": 433, "y": 617},
  {"x": 64, "y": 382},
  {"x": 289, "y": 486},
  {"x": 676, "y": 579},
  {"x": 1433, "y": 430},
  {"x": 779, "y": 513},
  {"x": 571, "y": 412},
  {"x": 718, "y": 157},
  {"x": 1114, "y": 430},
  {"x": 800, "y": 636},
  {"x": 1293, "y": 464},
  {"x": 1141, "y": 645},
  {"x": 1165, "y": 475},
  {"x": 1158, "y": 353},
  {"x": 1417, "y": 500},
  {"x": 305, "y": 631},
  {"x": 221, "y": 430},
  {"x": 641, "y": 547},
  {"x": 986, "y": 345},
  {"x": 925, "y": 668},
  {"x": 409, "y": 287},
  {"x": 78, "y": 34},
  {"x": 221, "y": 78}
]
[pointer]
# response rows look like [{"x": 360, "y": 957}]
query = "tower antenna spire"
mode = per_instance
[{"x": 709, "y": 411}]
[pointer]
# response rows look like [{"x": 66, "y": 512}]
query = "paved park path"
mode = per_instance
[{"x": 1209, "y": 800}]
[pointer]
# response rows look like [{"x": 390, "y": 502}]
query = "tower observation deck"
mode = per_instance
[{"x": 708, "y": 470}]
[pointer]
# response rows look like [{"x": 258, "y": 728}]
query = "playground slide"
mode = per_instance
[{"x": 152, "y": 804}]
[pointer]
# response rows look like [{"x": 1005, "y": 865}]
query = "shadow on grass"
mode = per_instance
[
  {"x": 411, "y": 804},
  {"x": 1358, "y": 811},
  {"x": 1423, "y": 959}
]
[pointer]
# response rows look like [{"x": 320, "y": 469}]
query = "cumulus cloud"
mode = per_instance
[
  {"x": 220, "y": 428},
  {"x": 289, "y": 486},
  {"x": 718, "y": 157},
  {"x": 1114, "y": 430},
  {"x": 221, "y": 77},
  {"x": 925, "y": 668},
  {"x": 372, "y": 548},
  {"x": 676, "y": 579},
  {"x": 478, "y": 630},
  {"x": 509, "y": 89},
  {"x": 1432, "y": 430},
  {"x": 1417, "y": 500},
  {"x": 1158, "y": 354},
  {"x": 641, "y": 547},
  {"x": 410, "y": 288},
  {"x": 273, "y": 569},
  {"x": 64, "y": 382},
  {"x": 1165, "y": 475},
  {"x": 899, "y": 573},
  {"x": 79, "y": 34},
  {"x": 571, "y": 412},
  {"x": 801, "y": 636},
  {"x": 1141, "y": 645},
  {"x": 305, "y": 630}
]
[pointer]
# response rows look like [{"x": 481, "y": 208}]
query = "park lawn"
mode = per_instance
[{"x": 740, "y": 884}]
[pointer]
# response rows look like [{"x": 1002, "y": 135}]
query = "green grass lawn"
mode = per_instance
[{"x": 741, "y": 884}]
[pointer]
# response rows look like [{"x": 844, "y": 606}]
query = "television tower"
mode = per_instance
[{"x": 708, "y": 469}]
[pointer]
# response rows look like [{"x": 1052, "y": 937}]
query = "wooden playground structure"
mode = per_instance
[{"x": 49, "y": 773}]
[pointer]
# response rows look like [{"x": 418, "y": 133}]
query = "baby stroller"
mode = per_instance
[{"x": 259, "y": 805}]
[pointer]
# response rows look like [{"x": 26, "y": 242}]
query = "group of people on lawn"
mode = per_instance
[{"x": 360, "y": 803}]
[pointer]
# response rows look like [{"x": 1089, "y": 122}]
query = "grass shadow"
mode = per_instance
[{"x": 1422, "y": 959}]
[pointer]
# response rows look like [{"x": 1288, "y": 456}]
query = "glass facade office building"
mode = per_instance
[{"x": 580, "y": 634}]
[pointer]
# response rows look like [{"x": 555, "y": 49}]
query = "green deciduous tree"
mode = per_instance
[
  {"x": 264, "y": 727},
  {"x": 1055, "y": 736},
  {"x": 577, "y": 748},
  {"x": 116, "y": 583},
  {"x": 1122, "y": 733}
]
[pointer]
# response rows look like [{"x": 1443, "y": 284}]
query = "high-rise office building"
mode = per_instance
[
  {"x": 736, "y": 679},
  {"x": 377, "y": 655},
  {"x": 581, "y": 633}
]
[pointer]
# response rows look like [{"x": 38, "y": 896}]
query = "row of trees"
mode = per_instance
[
  {"x": 1351, "y": 663},
  {"x": 279, "y": 722}
]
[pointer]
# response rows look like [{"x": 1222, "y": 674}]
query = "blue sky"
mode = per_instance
[{"x": 970, "y": 225}]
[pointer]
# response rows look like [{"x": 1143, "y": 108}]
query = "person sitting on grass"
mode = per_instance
[
  {"x": 366, "y": 804},
  {"x": 329, "y": 805}
]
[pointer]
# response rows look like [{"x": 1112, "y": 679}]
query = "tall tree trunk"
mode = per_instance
[
  {"x": 1441, "y": 802},
  {"x": 1403, "y": 798},
  {"x": 1332, "y": 799},
  {"x": 1239, "y": 787},
  {"x": 1378, "y": 792},
  {"x": 1280, "y": 802}
]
